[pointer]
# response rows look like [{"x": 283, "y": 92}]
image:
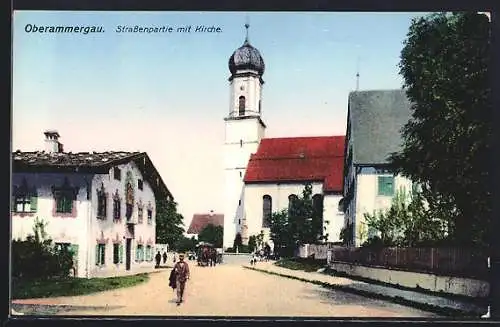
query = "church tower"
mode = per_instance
[{"x": 244, "y": 129}]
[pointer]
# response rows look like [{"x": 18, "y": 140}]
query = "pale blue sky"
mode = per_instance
[{"x": 167, "y": 94}]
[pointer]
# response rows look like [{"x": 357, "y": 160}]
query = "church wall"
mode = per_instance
[
  {"x": 233, "y": 188},
  {"x": 279, "y": 193},
  {"x": 333, "y": 216},
  {"x": 368, "y": 200},
  {"x": 114, "y": 231},
  {"x": 248, "y": 130},
  {"x": 61, "y": 228}
]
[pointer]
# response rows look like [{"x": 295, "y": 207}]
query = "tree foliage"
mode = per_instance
[
  {"x": 300, "y": 224},
  {"x": 38, "y": 258},
  {"x": 407, "y": 223},
  {"x": 252, "y": 243},
  {"x": 185, "y": 244},
  {"x": 212, "y": 234},
  {"x": 447, "y": 141},
  {"x": 169, "y": 223},
  {"x": 238, "y": 241}
]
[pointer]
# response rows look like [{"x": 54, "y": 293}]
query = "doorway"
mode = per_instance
[{"x": 128, "y": 249}]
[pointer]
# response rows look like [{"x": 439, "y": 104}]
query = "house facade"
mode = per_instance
[
  {"x": 374, "y": 123},
  {"x": 100, "y": 205},
  {"x": 277, "y": 173}
]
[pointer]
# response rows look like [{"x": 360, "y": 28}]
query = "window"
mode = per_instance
[
  {"x": 64, "y": 201},
  {"x": 140, "y": 213},
  {"x": 139, "y": 254},
  {"x": 241, "y": 106},
  {"x": 241, "y": 174},
  {"x": 116, "y": 207},
  {"x": 101, "y": 203},
  {"x": 24, "y": 199},
  {"x": 150, "y": 216},
  {"x": 291, "y": 200},
  {"x": 267, "y": 203},
  {"x": 139, "y": 184},
  {"x": 117, "y": 174},
  {"x": 260, "y": 108},
  {"x": 241, "y": 143},
  {"x": 317, "y": 202},
  {"x": 116, "y": 253},
  {"x": 239, "y": 202},
  {"x": 100, "y": 257},
  {"x": 386, "y": 185},
  {"x": 239, "y": 221},
  {"x": 129, "y": 201},
  {"x": 149, "y": 253}
]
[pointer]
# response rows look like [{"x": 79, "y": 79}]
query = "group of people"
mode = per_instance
[
  {"x": 259, "y": 255},
  {"x": 159, "y": 256}
]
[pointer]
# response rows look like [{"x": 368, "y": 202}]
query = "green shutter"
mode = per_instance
[
  {"x": 68, "y": 205},
  {"x": 386, "y": 185},
  {"x": 74, "y": 249},
  {"x": 34, "y": 203},
  {"x": 97, "y": 255},
  {"x": 120, "y": 253}
]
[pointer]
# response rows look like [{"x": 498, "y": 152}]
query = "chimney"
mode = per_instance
[{"x": 52, "y": 144}]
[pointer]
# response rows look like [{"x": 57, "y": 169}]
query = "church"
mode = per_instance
[{"x": 264, "y": 175}]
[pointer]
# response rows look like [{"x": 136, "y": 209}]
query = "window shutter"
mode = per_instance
[
  {"x": 33, "y": 203},
  {"x": 69, "y": 205},
  {"x": 120, "y": 253},
  {"x": 97, "y": 255}
]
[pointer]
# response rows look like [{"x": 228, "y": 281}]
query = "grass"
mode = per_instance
[
  {"x": 307, "y": 265},
  {"x": 28, "y": 289}
]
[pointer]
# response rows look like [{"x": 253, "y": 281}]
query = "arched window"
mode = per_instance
[
  {"x": 317, "y": 202},
  {"x": 291, "y": 199},
  {"x": 241, "y": 106},
  {"x": 267, "y": 207}
]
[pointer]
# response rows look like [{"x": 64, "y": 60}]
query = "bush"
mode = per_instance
[{"x": 37, "y": 258}]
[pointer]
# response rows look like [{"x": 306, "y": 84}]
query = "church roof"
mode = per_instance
[
  {"x": 299, "y": 159},
  {"x": 376, "y": 119},
  {"x": 201, "y": 220},
  {"x": 87, "y": 162}
]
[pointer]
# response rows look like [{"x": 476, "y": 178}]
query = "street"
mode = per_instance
[{"x": 229, "y": 290}]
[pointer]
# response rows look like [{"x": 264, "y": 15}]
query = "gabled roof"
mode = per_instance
[
  {"x": 87, "y": 162},
  {"x": 376, "y": 119},
  {"x": 201, "y": 220},
  {"x": 299, "y": 159}
]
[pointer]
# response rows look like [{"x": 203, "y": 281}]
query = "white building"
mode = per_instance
[
  {"x": 253, "y": 190},
  {"x": 102, "y": 205},
  {"x": 374, "y": 122}
]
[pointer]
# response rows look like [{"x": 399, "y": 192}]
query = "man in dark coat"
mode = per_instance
[
  {"x": 181, "y": 269},
  {"x": 158, "y": 259},
  {"x": 164, "y": 257}
]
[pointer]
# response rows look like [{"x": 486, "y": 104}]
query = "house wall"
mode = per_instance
[
  {"x": 333, "y": 217},
  {"x": 61, "y": 228},
  {"x": 368, "y": 200},
  {"x": 115, "y": 231},
  {"x": 253, "y": 202}
]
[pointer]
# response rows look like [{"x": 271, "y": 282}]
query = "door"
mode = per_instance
[{"x": 128, "y": 249}]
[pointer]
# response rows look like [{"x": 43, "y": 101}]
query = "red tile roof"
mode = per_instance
[
  {"x": 299, "y": 159},
  {"x": 201, "y": 220}
]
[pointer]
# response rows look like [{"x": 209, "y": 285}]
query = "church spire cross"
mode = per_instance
[{"x": 247, "y": 26}]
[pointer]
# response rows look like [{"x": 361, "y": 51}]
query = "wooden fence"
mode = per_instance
[{"x": 459, "y": 262}]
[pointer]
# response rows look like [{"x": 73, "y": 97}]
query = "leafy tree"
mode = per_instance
[
  {"x": 238, "y": 242},
  {"x": 252, "y": 243},
  {"x": 279, "y": 231},
  {"x": 185, "y": 244},
  {"x": 212, "y": 234},
  {"x": 406, "y": 223},
  {"x": 445, "y": 66},
  {"x": 169, "y": 223}
]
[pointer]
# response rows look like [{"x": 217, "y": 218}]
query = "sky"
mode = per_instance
[{"x": 167, "y": 93}]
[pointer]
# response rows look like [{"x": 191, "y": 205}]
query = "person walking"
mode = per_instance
[
  {"x": 164, "y": 257},
  {"x": 181, "y": 269},
  {"x": 158, "y": 259}
]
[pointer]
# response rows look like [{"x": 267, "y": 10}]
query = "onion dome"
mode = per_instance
[{"x": 246, "y": 57}]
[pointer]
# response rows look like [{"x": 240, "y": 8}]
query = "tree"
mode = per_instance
[
  {"x": 185, "y": 244},
  {"x": 252, "y": 243},
  {"x": 169, "y": 223},
  {"x": 237, "y": 241},
  {"x": 445, "y": 66},
  {"x": 212, "y": 234},
  {"x": 280, "y": 231},
  {"x": 406, "y": 223}
]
